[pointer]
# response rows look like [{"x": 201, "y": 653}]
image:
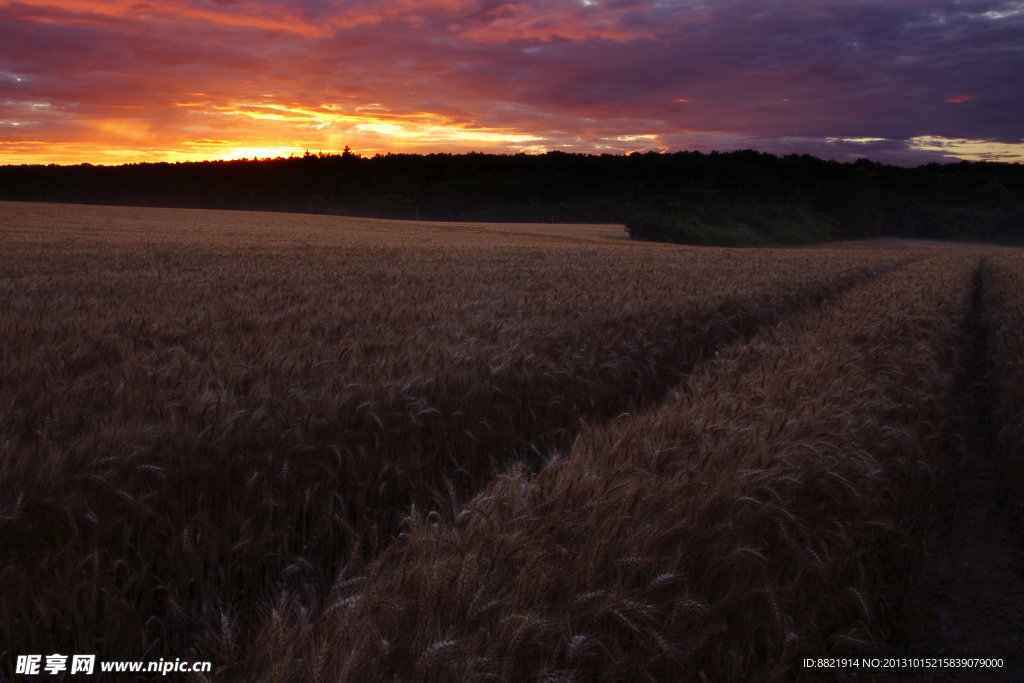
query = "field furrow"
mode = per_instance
[
  {"x": 183, "y": 429},
  {"x": 771, "y": 509},
  {"x": 1003, "y": 307}
]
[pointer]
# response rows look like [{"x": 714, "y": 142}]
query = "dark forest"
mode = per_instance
[{"x": 743, "y": 198}]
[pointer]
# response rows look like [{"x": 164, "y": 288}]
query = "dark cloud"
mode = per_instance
[{"x": 898, "y": 81}]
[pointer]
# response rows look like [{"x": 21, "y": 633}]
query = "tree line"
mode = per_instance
[{"x": 736, "y": 198}]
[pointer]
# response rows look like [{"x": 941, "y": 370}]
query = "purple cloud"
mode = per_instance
[{"x": 887, "y": 80}]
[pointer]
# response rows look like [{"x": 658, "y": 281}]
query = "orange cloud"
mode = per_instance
[
  {"x": 181, "y": 12},
  {"x": 107, "y": 81}
]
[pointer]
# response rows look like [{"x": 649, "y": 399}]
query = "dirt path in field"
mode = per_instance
[{"x": 970, "y": 579}]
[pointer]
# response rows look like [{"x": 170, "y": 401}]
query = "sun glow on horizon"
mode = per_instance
[
  {"x": 205, "y": 130},
  {"x": 122, "y": 81}
]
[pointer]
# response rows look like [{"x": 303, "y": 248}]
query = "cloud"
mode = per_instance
[{"x": 839, "y": 79}]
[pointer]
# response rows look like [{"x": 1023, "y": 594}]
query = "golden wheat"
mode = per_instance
[
  {"x": 771, "y": 509},
  {"x": 214, "y": 425}
]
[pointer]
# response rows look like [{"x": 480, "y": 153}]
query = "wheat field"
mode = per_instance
[
  {"x": 318, "y": 448},
  {"x": 1004, "y": 328}
]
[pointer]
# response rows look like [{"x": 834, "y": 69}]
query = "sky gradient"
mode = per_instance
[{"x": 897, "y": 81}]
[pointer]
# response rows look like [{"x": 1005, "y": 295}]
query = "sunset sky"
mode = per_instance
[{"x": 898, "y": 81}]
